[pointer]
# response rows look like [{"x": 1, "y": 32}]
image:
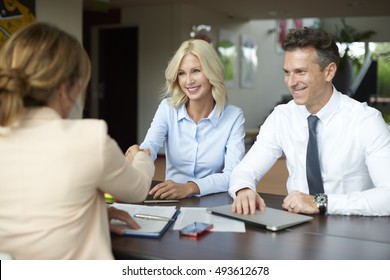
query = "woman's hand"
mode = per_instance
[
  {"x": 171, "y": 190},
  {"x": 114, "y": 213}
]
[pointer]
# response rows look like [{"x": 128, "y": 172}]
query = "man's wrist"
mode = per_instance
[
  {"x": 321, "y": 200},
  {"x": 243, "y": 189}
]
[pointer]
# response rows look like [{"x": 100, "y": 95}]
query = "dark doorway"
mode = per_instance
[{"x": 118, "y": 83}]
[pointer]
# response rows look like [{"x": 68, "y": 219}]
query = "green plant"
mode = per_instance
[
  {"x": 386, "y": 117},
  {"x": 347, "y": 35}
]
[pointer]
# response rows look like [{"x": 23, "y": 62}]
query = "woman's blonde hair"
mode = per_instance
[
  {"x": 211, "y": 65},
  {"x": 34, "y": 62}
]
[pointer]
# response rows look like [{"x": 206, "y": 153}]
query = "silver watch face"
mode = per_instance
[{"x": 321, "y": 199}]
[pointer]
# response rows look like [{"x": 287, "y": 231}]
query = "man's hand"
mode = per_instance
[
  {"x": 299, "y": 202},
  {"x": 247, "y": 201}
]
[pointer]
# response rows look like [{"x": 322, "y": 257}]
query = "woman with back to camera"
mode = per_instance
[
  {"x": 55, "y": 171},
  {"x": 203, "y": 135}
]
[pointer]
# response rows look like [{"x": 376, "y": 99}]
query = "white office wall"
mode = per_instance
[
  {"x": 267, "y": 90},
  {"x": 66, "y": 14}
]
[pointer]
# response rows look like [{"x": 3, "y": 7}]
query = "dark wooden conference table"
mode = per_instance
[{"x": 325, "y": 237}]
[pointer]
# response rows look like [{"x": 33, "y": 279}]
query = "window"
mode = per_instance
[{"x": 381, "y": 53}]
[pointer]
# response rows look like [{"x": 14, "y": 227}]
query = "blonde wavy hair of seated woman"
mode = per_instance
[
  {"x": 211, "y": 65},
  {"x": 34, "y": 63}
]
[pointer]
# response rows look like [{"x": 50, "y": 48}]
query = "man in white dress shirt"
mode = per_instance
[{"x": 353, "y": 140}]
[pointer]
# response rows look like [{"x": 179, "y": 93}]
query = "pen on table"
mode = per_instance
[
  {"x": 153, "y": 201},
  {"x": 152, "y": 217}
]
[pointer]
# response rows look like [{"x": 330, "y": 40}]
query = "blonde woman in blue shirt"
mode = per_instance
[{"x": 203, "y": 135}]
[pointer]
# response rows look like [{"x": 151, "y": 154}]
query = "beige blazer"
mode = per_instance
[{"x": 53, "y": 173}]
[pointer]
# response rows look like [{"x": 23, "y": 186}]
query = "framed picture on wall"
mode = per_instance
[
  {"x": 227, "y": 51},
  {"x": 14, "y": 15},
  {"x": 249, "y": 61}
]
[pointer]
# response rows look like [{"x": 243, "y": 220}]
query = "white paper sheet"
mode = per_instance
[
  {"x": 147, "y": 226},
  {"x": 188, "y": 215}
]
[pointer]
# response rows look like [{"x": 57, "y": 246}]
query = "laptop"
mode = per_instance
[{"x": 271, "y": 219}]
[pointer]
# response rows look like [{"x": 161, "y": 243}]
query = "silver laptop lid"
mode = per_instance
[{"x": 271, "y": 219}]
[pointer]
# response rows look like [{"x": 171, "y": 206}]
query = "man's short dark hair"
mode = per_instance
[{"x": 317, "y": 38}]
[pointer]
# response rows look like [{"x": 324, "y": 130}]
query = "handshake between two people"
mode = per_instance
[{"x": 133, "y": 150}]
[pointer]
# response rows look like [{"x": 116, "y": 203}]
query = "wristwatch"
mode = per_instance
[{"x": 321, "y": 200}]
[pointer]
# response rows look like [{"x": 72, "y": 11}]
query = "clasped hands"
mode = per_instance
[
  {"x": 133, "y": 150},
  {"x": 248, "y": 201}
]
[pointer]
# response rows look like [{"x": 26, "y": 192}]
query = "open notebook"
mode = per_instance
[
  {"x": 149, "y": 228},
  {"x": 271, "y": 219}
]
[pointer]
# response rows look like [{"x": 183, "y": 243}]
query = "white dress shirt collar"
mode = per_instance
[
  {"x": 330, "y": 108},
  {"x": 213, "y": 117}
]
